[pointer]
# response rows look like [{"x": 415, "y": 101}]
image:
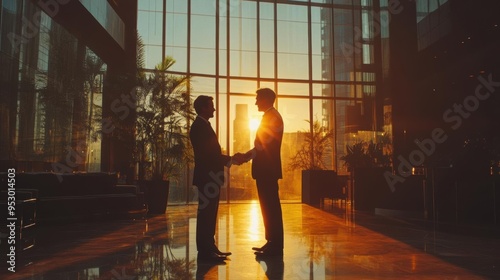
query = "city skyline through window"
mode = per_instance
[{"x": 316, "y": 55}]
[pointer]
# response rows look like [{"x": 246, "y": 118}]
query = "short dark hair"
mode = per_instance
[
  {"x": 266, "y": 93},
  {"x": 201, "y": 102}
]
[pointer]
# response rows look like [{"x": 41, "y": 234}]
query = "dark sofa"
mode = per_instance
[{"x": 75, "y": 195}]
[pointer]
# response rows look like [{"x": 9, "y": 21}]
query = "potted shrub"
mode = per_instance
[
  {"x": 367, "y": 162},
  {"x": 317, "y": 181},
  {"x": 161, "y": 144}
]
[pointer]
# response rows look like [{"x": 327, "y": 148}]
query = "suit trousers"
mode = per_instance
[
  {"x": 208, "y": 205},
  {"x": 270, "y": 207}
]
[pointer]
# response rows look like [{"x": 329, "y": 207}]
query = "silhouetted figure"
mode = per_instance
[
  {"x": 266, "y": 170},
  {"x": 208, "y": 177}
]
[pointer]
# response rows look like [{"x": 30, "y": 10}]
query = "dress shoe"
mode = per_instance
[
  {"x": 211, "y": 257},
  {"x": 269, "y": 252},
  {"x": 218, "y": 252},
  {"x": 261, "y": 248}
]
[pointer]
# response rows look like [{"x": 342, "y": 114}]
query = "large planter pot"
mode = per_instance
[
  {"x": 156, "y": 193},
  {"x": 370, "y": 187},
  {"x": 317, "y": 184}
]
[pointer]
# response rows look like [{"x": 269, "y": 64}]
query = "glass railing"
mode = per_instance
[{"x": 108, "y": 18}]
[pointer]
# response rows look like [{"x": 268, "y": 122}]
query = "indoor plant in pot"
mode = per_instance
[
  {"x": 161, "y": 150},
  {"x": 311, "y": 158},
  {"x": 367, "y": 162}
]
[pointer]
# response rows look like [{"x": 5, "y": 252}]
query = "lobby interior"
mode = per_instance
[{"x": 417, "y": 77}]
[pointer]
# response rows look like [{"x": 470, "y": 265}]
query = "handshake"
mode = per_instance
[{"x": 240, "y": 158}]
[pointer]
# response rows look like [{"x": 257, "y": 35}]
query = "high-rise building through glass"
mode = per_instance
[{"x": 323, "y": 59}]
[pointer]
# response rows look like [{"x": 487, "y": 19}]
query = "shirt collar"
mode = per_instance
[
  {"x": 205, "y": 120},
  {"x": 268, "y": 109}
]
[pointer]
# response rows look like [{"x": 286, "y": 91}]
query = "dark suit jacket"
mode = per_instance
[
  {"x": 266, "y": 162},
  {"x": 209, "y": 161}
]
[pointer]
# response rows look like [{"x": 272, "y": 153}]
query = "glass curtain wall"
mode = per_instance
[
  {"x": 318, "y": 55},
  {"x": 50, "y": 94}
]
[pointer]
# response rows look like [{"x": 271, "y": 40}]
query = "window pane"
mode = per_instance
[
  {"x": 176, "y": 34},
  {"x": 203, "y": 44},
  {"x": 323, "y": 90},
  {"x": 368, "y": 54},
  {"x": 295, "y": 112},
  {"x": 150, "y": 5},
  {"x": 222, "y": 113},
  {"x": 248, "y": 35},
  {"x": 243, "y": 36},
  {"x": 345, "y": 48},
  {"x": 177, "y": 6},
  {"x": 267, "y": 35},
  {"x": 342, "y": 133},
  {"x": 152, "y": 55},
  {"x": 244, "y": 121},
  {"x": 266, "y": 46},
  {"x": 180, "y": 56},
  {"x": 341, "y": 44},
  {"x": 293, "y": 66},
  {"x": 266, "y": 65},
  {"x": 270, "y": 85},
  {"x": 292, "y": 42},
  {"x": 243, "y": 31},
  {"x": 367, "y": 24},
  {"x": 243, "y": 86},
  {"x": 53, "y": 88},
  {"x": 223, "y": 45},
  {"x": 293, "y": 89},
  {"x": 149, "y": 26},
  {"x": 344, "y": 91},
  {"x": 202, "y": 61},
  {"x": 323, "y": 112},
  {"x": 202, "y": 32},
  {"x": 266, "y": 11},
  {"x": 322, "y": 44},
  {"x": 243, "y": 64},
  {"x": 202, "y": 7},
  {"x": 344, "y": 2},
  {"x": 222, "y": 62},
  {"x": 177, "y": 30}
]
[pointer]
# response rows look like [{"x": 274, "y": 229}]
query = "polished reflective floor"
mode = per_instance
[{"x": 328, "y": 243}]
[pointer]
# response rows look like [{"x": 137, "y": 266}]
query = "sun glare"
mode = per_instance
[
  {"x": 255, "y": 222},
  {"x": 254, "y": 124}
]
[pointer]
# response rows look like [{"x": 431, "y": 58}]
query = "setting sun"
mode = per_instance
[{"x": 254, "y": 124}]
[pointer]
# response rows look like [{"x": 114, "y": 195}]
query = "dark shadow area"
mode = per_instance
[
  {"x": 466, "y": 246},
  {"x": 273, "y": 266},
  {"x": 60, "y": 238},
  {"x": 128, "y": 249}
]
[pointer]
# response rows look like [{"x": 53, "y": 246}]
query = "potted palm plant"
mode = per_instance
[
  {"x": 311, "y": 158},
  {"x": 162, "y": 114}
]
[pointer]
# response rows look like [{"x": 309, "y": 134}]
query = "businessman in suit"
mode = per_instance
[
  {"x": 266, "y": 170},
  {"x": 208, "y": 177}
]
